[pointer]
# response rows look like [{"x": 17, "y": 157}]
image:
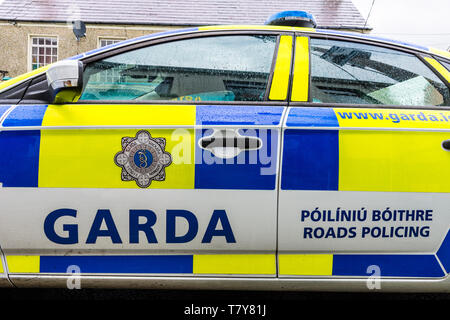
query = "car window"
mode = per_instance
[
  {"x": 222, "y": 68},
  {"x": 354, "y": 73}
]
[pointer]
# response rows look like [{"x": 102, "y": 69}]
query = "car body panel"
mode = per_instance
[
  {"x": 300, "y": 80},
  {"x": 71, "y": 166},
  {"x": 275, "y": 218},
  {"x": 4, "y": 280},
  {"x": 366, "y": 179},
  {"x": 280, "y": 80}
]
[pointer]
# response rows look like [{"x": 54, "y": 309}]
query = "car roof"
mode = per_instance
[{"x": 349, "y": 35}]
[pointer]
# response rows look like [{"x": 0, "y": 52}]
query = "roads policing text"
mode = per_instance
[{"x": 418, "y": 217}]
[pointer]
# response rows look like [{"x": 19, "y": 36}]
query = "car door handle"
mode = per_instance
[
  {"x": 229, "y": 143},
  {"x": 446, "y": 145}
]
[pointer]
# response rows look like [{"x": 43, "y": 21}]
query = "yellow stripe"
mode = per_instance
[
  {"x": 306, "y": 264},
  {"x": 20, "y": 78},
  {"x": 393, "y": 118},
  {"x": 85, "y": 158},
  {"x": 301, "y": 70},
  {"x": 443, "y": 53},
  {"x": 23, "y": 264},
  {"x": 280, "y": 81},
  {"x": 401, "y": 161},
  {"x": 1, "y": 266},
  {"x": 439, "y": 68},
  {"x": 234, "y": 264}
]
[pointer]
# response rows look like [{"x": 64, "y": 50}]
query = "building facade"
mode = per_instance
[
  {"x": 36, "y": 33},
  {"x": 26, "y": 46}
]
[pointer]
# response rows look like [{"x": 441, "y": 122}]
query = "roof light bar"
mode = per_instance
[{"x": 292, "y": 19}]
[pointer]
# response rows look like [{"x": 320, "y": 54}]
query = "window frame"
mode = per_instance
[
  {"x": 418, "y": 54},
  {"x": 30, "y": 48},
  {"x": 100, "y": 38},
  {"x": 197, "y": 34},
  {"x": 442, "y": 61}
]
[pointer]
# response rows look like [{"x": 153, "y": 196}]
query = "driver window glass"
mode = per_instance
[
  {"x": 225, "y": 68},
  {"x": 353, "y": 73}
]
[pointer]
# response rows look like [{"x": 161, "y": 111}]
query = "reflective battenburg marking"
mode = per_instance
[
  {"x": 261, "y": 264},
  {"x": 389, "y": 265},
  {"x": 3, "y": 109},
  {"x": 101, "y": 264},
  {"x": 76, "y": 144},
  {"x": 118, "y": 264},
  {"x": 362, "y": 265},
  {"x": 365, "y": 149},
  {"x": 443, "y": 253},
  {"x": 25, "y": 116},
  {"x": 310, "y": 160},
  {"x": 19, "y": 158},
  {"x": 250, "y": 170},
  {"x": 19, "y": 150},
  {"x": 83, "y": 158},
  {"x": 359, "y": 265},
  {"x": 143, "y": 159},
  {"x": 280, "y": 81}
]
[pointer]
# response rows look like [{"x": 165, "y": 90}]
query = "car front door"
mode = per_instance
[
  {"x": 166, "y": 164},
  {"x": 365, "y": 164}
]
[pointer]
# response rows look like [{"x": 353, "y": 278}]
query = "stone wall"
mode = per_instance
[{"x": 15, "y": 56}]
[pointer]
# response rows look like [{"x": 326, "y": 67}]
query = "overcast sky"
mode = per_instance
[{"x": 425, "y": 22}]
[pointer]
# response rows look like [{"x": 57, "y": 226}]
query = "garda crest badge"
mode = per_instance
[{"x": 143, "y": 159}]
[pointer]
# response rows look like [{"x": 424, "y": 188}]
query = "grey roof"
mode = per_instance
[{"x": 336, "y": 14}]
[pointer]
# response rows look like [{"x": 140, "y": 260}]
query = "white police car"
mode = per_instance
[{"x": 238, "y": 157}]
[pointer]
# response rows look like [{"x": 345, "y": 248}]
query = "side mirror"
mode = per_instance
[{"x": 65, "y": 80}]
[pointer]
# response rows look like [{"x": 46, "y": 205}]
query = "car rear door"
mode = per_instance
[
  {"x": 166, "y": 165},
  {"x": 365, "y": 163}
]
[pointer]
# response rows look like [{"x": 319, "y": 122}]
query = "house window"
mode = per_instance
[
  {"x": 44, "y": 50},
  {"x": 110, "y": 76},
  {"x": 103, "y": 42}
]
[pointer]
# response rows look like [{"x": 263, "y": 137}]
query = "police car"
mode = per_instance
[{"x": 271, "y": 157}]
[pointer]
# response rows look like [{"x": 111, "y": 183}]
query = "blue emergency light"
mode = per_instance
[{"x": 292, "y": 19}]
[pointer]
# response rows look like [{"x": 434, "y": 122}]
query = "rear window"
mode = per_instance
[{"x": 354, "y": 73}]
